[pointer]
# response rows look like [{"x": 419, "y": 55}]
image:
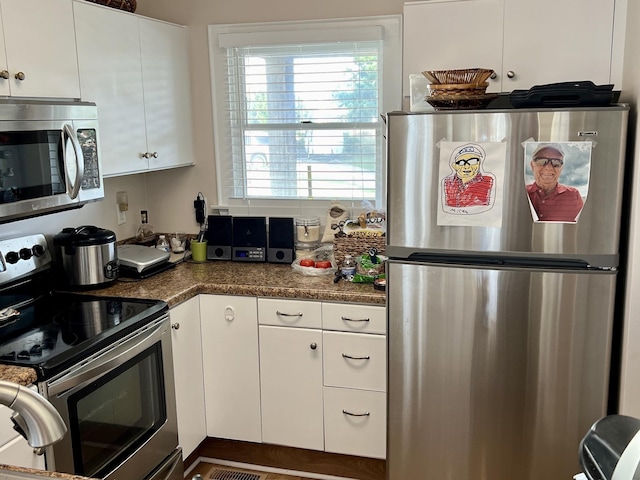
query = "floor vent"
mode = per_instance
[{"x": 218, "y": 474}]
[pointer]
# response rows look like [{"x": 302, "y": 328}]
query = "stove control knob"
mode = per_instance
[
  {"x": 25, "y": 253},
  {"x": 38, "y": 250},
  {"x": 12, "y": 257}
]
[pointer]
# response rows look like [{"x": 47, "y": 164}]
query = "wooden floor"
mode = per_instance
[{"x": 288, "y": 459}]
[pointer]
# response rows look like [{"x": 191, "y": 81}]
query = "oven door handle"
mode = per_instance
[{"x": 107, "y": 361}]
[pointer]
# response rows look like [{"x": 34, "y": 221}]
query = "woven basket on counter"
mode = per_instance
[
  {"x": 457, "y": 90},
  {"x": 356, "y": 246},
  {"x": 466, "y": 75},
  {"x": 126, "y": 5}
]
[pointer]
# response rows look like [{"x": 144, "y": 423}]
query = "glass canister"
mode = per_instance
[{"x": 307, "y": 231}]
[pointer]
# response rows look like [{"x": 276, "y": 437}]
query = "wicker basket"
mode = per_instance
[
  {"x": 467, "y": 75},
  {"x": 457, "y": 89},
  {"x": 356, "y": 246},
  {"x": 127, "y": 5}
]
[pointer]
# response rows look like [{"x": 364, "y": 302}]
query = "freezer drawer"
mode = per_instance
[{"x": 494, "y": 374}]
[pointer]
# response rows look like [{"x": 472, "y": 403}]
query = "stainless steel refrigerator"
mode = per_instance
[{"x": 501, "y": 288}]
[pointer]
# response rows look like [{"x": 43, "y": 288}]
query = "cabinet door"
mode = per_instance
[
  {"x": 547, "y": 41},
  {"x": 111, "y": 76},
  {"x": 187, "y": 365},
  {"x": 291, "y": 386},
  {"x": 40, "y": 42},
  {"x": 231, "y": 370},
  {"x": 164, "y": 51},
  {"x": 443, "y": 35}
]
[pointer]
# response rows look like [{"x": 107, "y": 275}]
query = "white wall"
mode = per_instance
[{"x": 630, "y": 375}]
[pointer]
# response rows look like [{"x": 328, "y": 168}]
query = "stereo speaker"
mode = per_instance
[
  {"x": 249, "y": 239},
  {"x": 219, "y": 237},
  {"x": 281, "y": 240}
]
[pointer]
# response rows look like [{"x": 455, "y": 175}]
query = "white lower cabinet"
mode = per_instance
[
  {"x": 189, "y": 382},
  {"x": 323, "y": 376},
  {"x": 231, "y": 366},
  {"x": 14, "y": 449},
  {"x": 291, "y": 386}
]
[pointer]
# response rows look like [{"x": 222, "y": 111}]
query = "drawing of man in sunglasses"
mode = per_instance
[
  {"x": 468, "y": 185},
  {"x": 551, "y": 200}
]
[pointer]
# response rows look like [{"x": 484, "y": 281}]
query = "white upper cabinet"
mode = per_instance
[
  {"x": 164, "y": 51},
  {"x": 526, "y": 42},
  {"x": 137, "y": 71},
  {"x": 40, "y": 48}
]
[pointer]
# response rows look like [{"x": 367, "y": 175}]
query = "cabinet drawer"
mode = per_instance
[
  {"x": 355, "y": 422},
  {"x": 354, "y": 318},
  {"x": 289, "y": 313},
  {"x": 354, "y": 360}
]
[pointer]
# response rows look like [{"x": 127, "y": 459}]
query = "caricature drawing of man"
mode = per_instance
[{"x": 468, "y": 186}]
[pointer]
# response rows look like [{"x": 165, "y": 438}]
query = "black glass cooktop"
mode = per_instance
[{"x": 56, "y": 330}]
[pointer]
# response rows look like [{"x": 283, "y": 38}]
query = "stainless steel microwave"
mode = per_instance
[{"x": 49, "y": 157}]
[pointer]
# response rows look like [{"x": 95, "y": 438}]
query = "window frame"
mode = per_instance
[{"x": 284, "y": 32}]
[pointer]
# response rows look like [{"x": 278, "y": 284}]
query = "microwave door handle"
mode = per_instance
[
  {"x": 122, "y": 353},
  {"x": 68, "y": 132}
]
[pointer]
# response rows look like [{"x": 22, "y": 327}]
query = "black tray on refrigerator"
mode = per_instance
[{"x": 564, "y": 94}]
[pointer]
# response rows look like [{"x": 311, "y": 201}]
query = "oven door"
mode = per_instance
[{"x": 119, "y": 407}]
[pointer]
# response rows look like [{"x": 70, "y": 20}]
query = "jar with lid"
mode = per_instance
[
  {"x": 307, "y": 231},
  {"x": 348, "y": 268},
  {"x": 163, "y": 244}
]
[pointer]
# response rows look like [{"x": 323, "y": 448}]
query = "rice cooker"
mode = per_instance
[{"x": 87, "y": 255}]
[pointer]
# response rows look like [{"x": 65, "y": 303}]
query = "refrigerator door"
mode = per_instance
[
  {"x": 415, "y": 179},
  {"x": 494, "y": 374}
]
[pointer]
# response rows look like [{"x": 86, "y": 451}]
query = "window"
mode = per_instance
[{"x": 297, "y": 111}]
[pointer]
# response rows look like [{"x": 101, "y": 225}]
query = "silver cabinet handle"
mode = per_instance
[
  {"x": 493, "y": 76},
  {"x": 364, "y": 414},
  {"x": 38, "y": 451},
  {"x": 145, "y": 155},
  {"x": 4, "y": 74},
  {"x": 175, "y": 326},
  {"x": 154, "y": 154},
  {"x": 347, "y": 319},
  {"x": 511, "y": 74},
  {"x": 313, "y": 346},
  {"x": 366, "y": 357},
  {"x": 20, "y": 76},
  {"x": 282, "y": 314}
]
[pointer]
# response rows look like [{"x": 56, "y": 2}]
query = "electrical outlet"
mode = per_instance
[{"x": 122, "y": 216}]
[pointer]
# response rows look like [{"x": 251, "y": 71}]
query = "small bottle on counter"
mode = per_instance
[
  {"x": 163, "y": 244},
  {"x": 348, "y": 268}
]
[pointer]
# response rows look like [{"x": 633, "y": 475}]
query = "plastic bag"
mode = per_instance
[
  {"x": 322, "y": 254},
  {"x": 369, "y": 266}
]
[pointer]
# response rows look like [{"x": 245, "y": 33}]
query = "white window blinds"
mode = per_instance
[{"x": 300, "y": 120}]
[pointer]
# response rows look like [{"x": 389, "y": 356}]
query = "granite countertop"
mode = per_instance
[
  {"x": 41, "y": 473},
  {"x": 189, "y": 278}
]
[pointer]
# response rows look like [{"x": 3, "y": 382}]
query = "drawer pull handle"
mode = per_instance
[
  {"x": 347, "y": 319},
  {"x": 346, "y": 412},
  {"x": 282, "y": 314},
  {"x": 366, "y": 357}
]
